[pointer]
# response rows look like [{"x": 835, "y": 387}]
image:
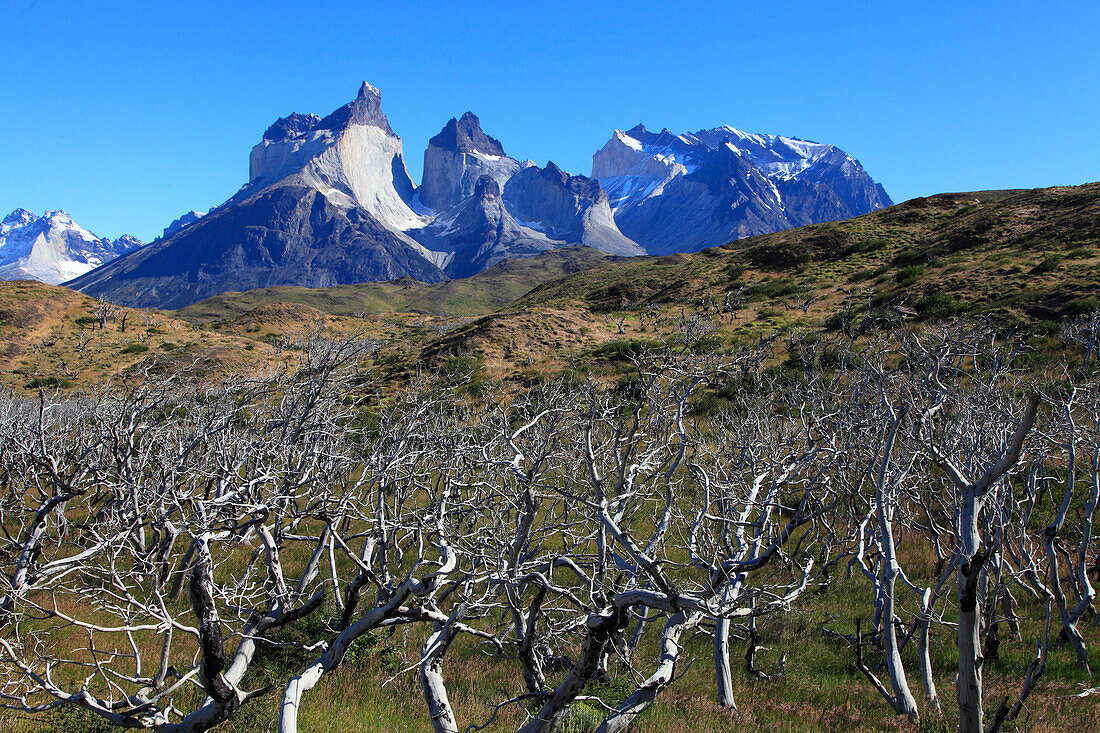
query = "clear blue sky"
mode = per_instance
[{"x": 127, "y": 114}]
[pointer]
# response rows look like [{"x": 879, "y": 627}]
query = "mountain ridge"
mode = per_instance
[
  {"x": 329, "y": 201},
  {"x": 52, "y": 248}
]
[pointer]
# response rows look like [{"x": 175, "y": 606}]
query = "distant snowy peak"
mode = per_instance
[
  {"x": 635, "y": 164},
  {"x": 53, "y": 248},
  {"x": 779, "y": 157},
  {"x": 189, "y": 218},
  {"x": 17, "y": 218},
  {"x": 684, "y": 192}
]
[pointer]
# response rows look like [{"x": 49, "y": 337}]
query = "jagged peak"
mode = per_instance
[
  {"x": 552, "y": 168},
  {"x": 290, "y": 126},
  {"x": 464, "y": 135},
  {"x": 578, "y": 184},
  {"x": 366, "y": 109},
  {"x": 20, "y": 216}
]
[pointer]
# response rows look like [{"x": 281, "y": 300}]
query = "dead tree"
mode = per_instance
[{"x": 976, "y": 447}]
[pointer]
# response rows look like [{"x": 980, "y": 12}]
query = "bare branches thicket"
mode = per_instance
[{"x": 159, "y": 537}]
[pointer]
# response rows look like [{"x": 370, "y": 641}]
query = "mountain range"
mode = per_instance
[
  {"x": 329, "y": 201},
  {"x": 53, "y": 248}
]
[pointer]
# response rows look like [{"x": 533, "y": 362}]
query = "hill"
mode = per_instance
[
  {"x": 1025, "y": 257},
  {"x": 1028, "y": 258},
  {"x": 53, "y": 337},
  {"x": 478, "y": 295}
]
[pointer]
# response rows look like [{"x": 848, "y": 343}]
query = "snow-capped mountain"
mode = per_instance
[
  {"x": 329, "y": 201},
  {"x": 457, "y": 158},
  {"x": 678, "y": 193},
  {"x": 53, "y": 248}
]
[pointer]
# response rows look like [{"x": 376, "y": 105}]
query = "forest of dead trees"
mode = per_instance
[{"x": 158, "y": 534}]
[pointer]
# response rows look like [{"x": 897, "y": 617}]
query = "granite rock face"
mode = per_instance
[
  {"x": 457, "y": 158},
  {"x": 329, "y": 201},
  {"x": 480, "y": 232},
  {"x": 568, "y": 208},
  {"x": 489, "y": 207}
]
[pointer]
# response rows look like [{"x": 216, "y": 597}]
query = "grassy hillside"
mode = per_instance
[
  {"x": 1035, "y": 253},
  {"x": 51, "y": 337},
  {"x": 1029, "y": 258},
  {"x": 474, "y": 296}
]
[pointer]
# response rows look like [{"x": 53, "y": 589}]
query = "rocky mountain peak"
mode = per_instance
[
  {"x": 457, "y": 158},
  {"x": 466, "y": 136},
  {"x": 19, "y": 217},
  {"x": 682, "y": 192},
  {"x": 189, "y": 218},
  {"x": 577, "y": 185},
  {"x": 365, "y": 110},
  {"x": 293, "y": 125}
]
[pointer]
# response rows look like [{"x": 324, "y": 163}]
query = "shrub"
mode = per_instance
[
  {"x": 580, "y": 718},
  {"x": 49, "y": 382},
  {"x": 624, "y": 349},
  {"x": 937, "y": 304},
  {"x": 134, "y": 349},
  {"x": 631, "y": 386},
  {"x": 73, "y": 719},
  {"x": 908, "y": 275},
  {"x": 867, "y": 273},
  {"x": 1081, "y": 306},
  {"x": 779, "y": 255}
]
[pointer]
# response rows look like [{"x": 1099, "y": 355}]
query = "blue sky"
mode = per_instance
[{"x": 127, "y": 114}]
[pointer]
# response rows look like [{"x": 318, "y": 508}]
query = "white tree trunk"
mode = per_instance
[
  {"x": 969, "y": 685},
  {"x": 722, "y": 673},
  {"x": 647, "y": 692},
  {"x": 431, "y": 679}
]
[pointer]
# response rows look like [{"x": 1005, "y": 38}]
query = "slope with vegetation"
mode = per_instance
[{"x": 1028, "y": 259}]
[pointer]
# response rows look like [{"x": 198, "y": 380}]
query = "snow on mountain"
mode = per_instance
[
  {"x": 52, "y": 248},
  {"x": 570, "y": 209},
  {"x": 781, "y": 182},
  {"x": 488, "y": 206},
  {"x": 353, "y": 157},
  {"x": 457, "y": 158},
  {"x": 329, "y": 201}
]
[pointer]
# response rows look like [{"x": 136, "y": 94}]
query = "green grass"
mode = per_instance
[{"x": 478, "y": 295}]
